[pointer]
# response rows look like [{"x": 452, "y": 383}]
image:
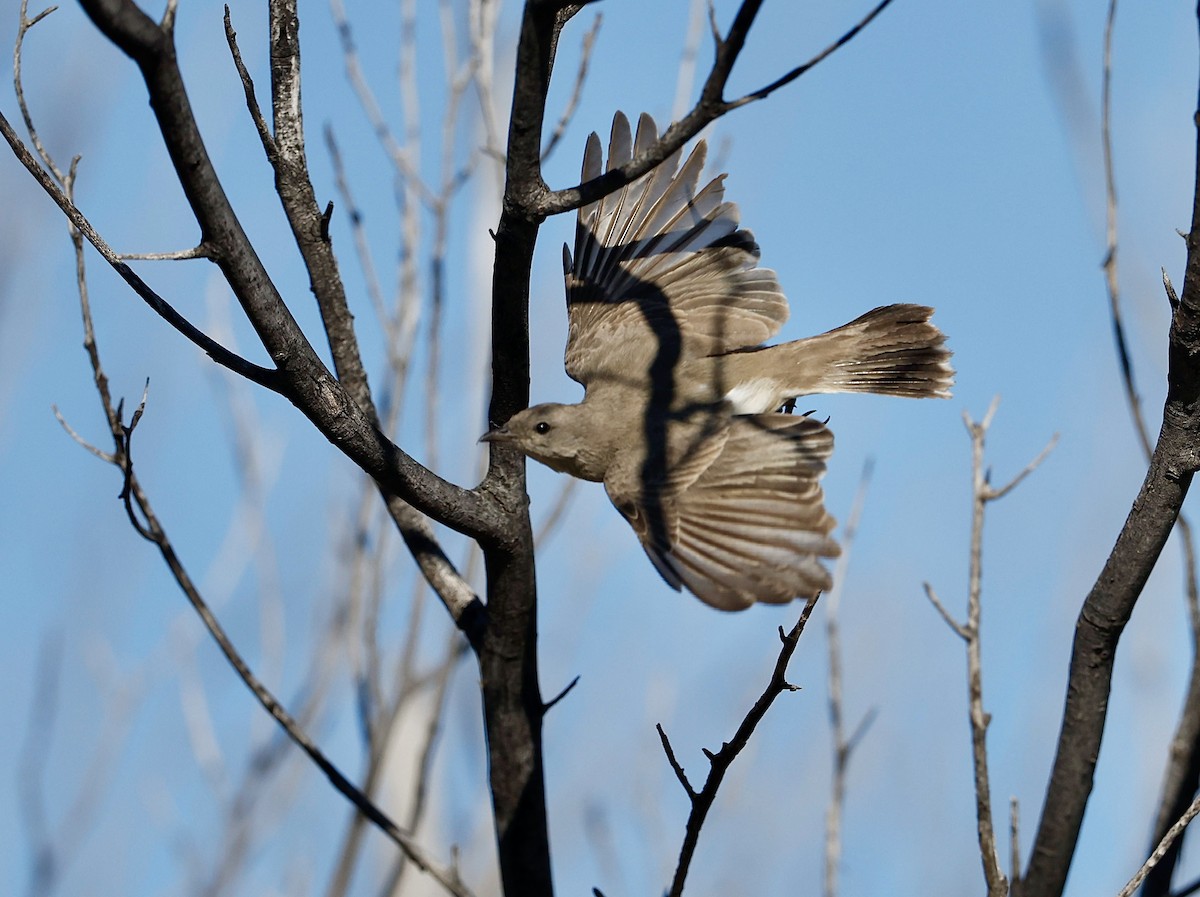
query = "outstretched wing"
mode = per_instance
[
  {"x": 661, "y": 270},
  {"x": 752, "y": 526}
]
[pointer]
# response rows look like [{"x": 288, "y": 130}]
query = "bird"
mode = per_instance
[{"x": 683, "y": 415}]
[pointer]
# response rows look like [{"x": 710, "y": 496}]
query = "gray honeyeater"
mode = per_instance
[{"x": 680, "y": 420}]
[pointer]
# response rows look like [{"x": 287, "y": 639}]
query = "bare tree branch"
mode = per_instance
[
  {"x": 153, "y": 531},
  {"x": 675, "y": 766},
  {"x": 763, "y": 92},
  {"x": 196, "y": 252},
  {"x": 710, "y": 106},
  {"x": 982, "y": 493},
  {"x": 145, "y": 521},
  {"x": 720, "y": 761},
  {"x": 256, "y": 116},
  {"x": 1110, "y": 603},
  {"x": 686, "y": 77},
  {"x": 339, "y": 403},
  {"x": 441, "y": 684},
  {"x": 296, "y": 193},
  {"x": 361, "y": 246},
  {"x": 585, "y": 57},
  {"x": 322, "y": 395},
  {"x": 25, "y": 23},
  {"x": 218, "y": 353},
  {"x": 1182, "y": 775},
  {"x": 399, "y": 156},
  {"x": 1164, "y": 845},
  {"x": 302, "y": 376},
  {"x": 43, "y": 710},
  {"x": 843, "y": 747},
  {"x": 513, "y": 706},
  {"x": 959, "y": 629},
  {"x": 107, "y": 457}
]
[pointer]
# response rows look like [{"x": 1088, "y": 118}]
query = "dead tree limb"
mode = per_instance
[{"x": 1111, "y": 600}]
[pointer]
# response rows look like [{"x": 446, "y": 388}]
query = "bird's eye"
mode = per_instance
[{"x": 542, "y": 427}]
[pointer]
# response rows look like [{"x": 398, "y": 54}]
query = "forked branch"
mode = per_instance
[
  {"x": 982, "y": 492},
  {"x": 708, "y": 108},
  {"x": 145, "y": 521},
  {"x": 1182, "y": 775},
  {"x": 720, "y": 761},
  {"x": 1110, "y": 602},
  {"x": 331, "y": 405}
]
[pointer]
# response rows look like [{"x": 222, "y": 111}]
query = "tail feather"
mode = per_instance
[{"x": 892, "y": 350}]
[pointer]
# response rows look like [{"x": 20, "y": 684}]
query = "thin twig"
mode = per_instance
[
  {"x": 843, "y": 747},
  {"x": 23, "y": 25},
  {"x": 354, "y": 213},
  {"x": 585, "y": 57},
  {"x": 152, "y": 530},
  {"x": 1161, "y": 850},
  {"x": 400, "y": 156},
  {"x": 993, "y": 494},
  {"x": 720, "y": 761},
  {"x": 959, "y": 629},
  {"x": 686, "y": 76},
  {"x": 201, "y": 251},
  {"x": 674, "y": 762},
  {"x": 256, "y": 116},
  {"x": 143, "y": 518},
  {"x": 333, "y": 407},
  {"x": 481, "y": 25},
  {"x": 969, "y": 630},
  {"x": 379, "y": 713},
  {"x": 455, "y": 652},
  {"x": 107, "y": 457},
  {"x": 443, "y": 875},
  {"x": 763, "y": 92},
  {"x": 710, "y": 106},
  {"x": 222, "y": 356}
]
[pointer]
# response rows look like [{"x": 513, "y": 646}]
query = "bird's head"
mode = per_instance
[{"x": 560, "y": 436}]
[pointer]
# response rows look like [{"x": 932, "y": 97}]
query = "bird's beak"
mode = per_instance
[{"x": 496, "y": 434}]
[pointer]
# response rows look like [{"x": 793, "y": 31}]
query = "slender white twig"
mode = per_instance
[
  {"x": 203, "y": 251},
  {"x": 23, "y": 25},
  {"x": 403, "y": 156},
  {"x": 982, "y": 492},
  {"x": 581, "y": 73},
  {"x": 843, "y": 747},
  {"x": 685, "y": 80},
  {"x": 959, "y": 628},
  {"x": 102, "y": 455},
  {"x": 1161, "y": 850}
]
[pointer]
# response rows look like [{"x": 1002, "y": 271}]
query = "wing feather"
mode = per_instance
[
  {"x": 752, "y": 526},
  {"x": 661, "y": 261}
]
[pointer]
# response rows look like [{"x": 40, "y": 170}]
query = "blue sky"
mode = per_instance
[{"x": 948, "y": 156}]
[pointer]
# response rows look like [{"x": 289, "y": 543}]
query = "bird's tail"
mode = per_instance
[{"x": 893, "y": 350}]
